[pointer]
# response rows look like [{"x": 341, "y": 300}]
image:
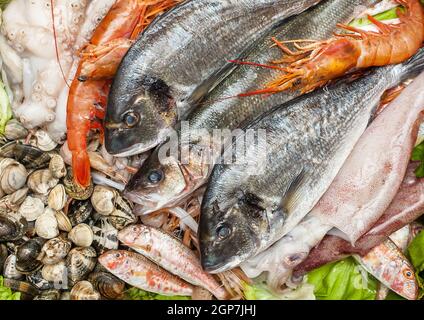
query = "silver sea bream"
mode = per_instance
[
  {"x": 160, "y": 184},
  {"x": 248, "y": 206},
  {"x": 178, "y": 59}
]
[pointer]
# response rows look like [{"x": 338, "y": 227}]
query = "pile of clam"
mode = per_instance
[{"x": 51, "y": 230}]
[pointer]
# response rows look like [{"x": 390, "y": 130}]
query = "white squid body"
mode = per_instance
[{"x": 28, "y": 29}]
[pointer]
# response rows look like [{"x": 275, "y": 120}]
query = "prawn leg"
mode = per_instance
[
  {"x": 317, "y": 63},
  {"x": 102, "y": 61}
]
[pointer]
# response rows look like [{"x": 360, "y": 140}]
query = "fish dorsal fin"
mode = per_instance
[{"x": 293, "y": 195}]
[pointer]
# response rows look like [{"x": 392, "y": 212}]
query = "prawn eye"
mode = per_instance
[
  {"x": 408, "y": 274},
  {"x": 131, "y": 119},
  {"x": 155, "y": 176},
  {"x": 223, "y": 232}
]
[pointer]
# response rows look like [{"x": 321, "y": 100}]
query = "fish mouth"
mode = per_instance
[
  {"x": 211, "y": 266},
  {"x": 133, "y": 150},
  {"x": 144, "y": 204}
]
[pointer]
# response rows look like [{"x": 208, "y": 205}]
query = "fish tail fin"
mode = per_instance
[{"x": 413, "y": 66}]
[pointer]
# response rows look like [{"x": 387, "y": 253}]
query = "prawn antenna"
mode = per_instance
[{"x": 55, "y": 44}]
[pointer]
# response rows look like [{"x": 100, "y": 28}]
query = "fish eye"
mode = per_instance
[
  {"x": 223, "y": 232},
  {"x": 408, "y": 274},
  {"x": 155, "y": 176},
  {"x": 131, "y": 119},
  {"x": 117, "y": 255}
]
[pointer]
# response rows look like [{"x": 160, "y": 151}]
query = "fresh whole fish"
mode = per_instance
[
  {"x": 170, "y": 254},
  {"x": 178, "y": 59},
  {"x": 248, "y": 206},
  {"x": 141, "y": 273},
  {"x": 164, "y": 183},
  {"x": 362, "y": 190},
  {"x": 387, "y": 263},
  {"x": 407, "y": 206},
  {"x": 401, "y": 239}
]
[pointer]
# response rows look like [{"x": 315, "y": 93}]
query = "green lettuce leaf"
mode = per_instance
[
  {"x": 386, "y": 15},
  {"x": 5, "y": 108},
  {"x": 416, "y": 256},
  {"x": 6, "y": 293},
  {"x": 342, "y": 280},
  {"x": 138, "y": 294},
  {"x": 418, "y": 155},
  {"x": 260, "y": 291}
]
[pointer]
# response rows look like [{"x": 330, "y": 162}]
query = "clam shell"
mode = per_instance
[
  {"x": 9, "y": 270},
  {"x": 57, "y": 198},
  {"x": 31, "y": 208},
  {"x": 81, "y": 235},
  {"x": 122, "y": 215},
  {"x": 44, "y": 141},
  {"x": 11, "y": 227},
  {"x": 13, "y": 201},
  {"x": 75, "y": 191},
  {"x": 18, "y": 197},
  {"x": 3, "y": 256},
  {"x": 3, "y": 140},
  {"x": 48, "y": 295},
  {"x": 84, "y": 290},
  {"x": 107, "y": 284},
  {"x": 8, "y": 150},
  {"x": 105, "y": 236},
  {"x": 5, "y": 162},
  {"x": 55, "y": 250},
  {"x": 42, "y": 181},
  {"x": 57, "y": 166},
  {"x": 42, "y": 197},
  {"x": 56, "y": 273},
  {"x": 46, "y": 225},
  {"x": 103, "y": 199},
  {"x": 79, "y": 211},
  {"x": 63, "y": 222},
  {"x": 31, "y": 157},
  {"x": 27, "y": 254},
  {"x": 37, "y": 280},
  {"x": 21, "y": 286},
  {"x": 80, "y": 262},
  {"x": 13, "y": 178},
  {"x": 14, "y": 130}
]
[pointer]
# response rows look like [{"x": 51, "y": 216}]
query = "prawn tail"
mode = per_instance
[{"x": 81, "y": 168}]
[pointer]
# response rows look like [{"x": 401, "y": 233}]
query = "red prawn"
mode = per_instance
[
  {"x": 318, "y": 63},
  {"x": 99, "y": 62}
]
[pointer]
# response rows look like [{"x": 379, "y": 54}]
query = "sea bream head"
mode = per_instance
[
  {"x": 162, "y": 182},
  {"x": 155, "y": 184},
  {"x": 231, "y": 231},
  {"x": 139, "y": 115}
]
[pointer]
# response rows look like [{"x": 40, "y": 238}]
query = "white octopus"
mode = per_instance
[{"x": 40, "y": 62}]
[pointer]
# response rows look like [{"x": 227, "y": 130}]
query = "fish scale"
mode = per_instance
[
  {"x": 218, "y": 112},
  {"x": 178, "y": 60},
  {"x": 254, "y": 211}
]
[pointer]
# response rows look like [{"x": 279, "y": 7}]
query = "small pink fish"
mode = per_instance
[
  {"x": 141, "y": 273},
  {"x": 170, "y": 254},
  {"x": 387, "y": 263}
]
